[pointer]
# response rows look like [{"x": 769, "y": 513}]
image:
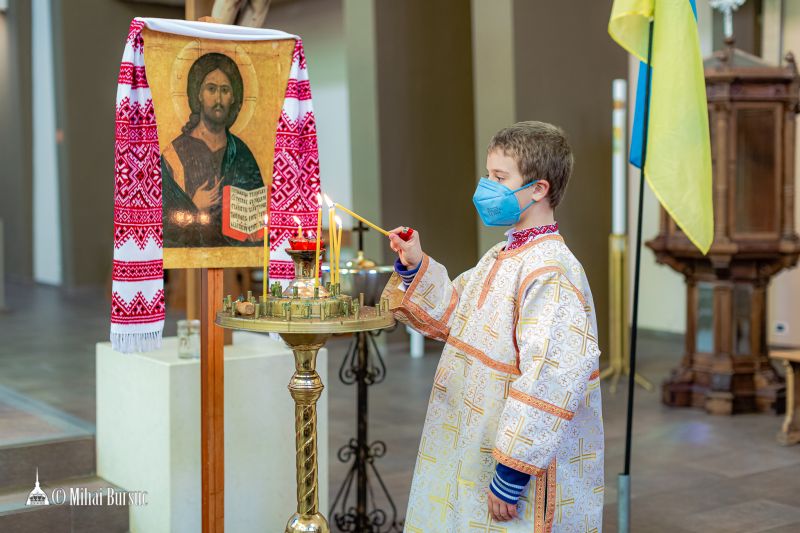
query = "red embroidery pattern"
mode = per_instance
[
  {"x": 298, "y": 89},
  {"x": 138, "y": 310},
  {"x": 281, "y": 270},
  {"x": 138, "y": 270},
  {"x": 132, "y": 75},
  {"x": 521, "y": 237}
]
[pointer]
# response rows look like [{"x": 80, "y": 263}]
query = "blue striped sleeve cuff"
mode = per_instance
[
  {"x": 508, "y": 483},
  {"x": 405, "y": 274}
]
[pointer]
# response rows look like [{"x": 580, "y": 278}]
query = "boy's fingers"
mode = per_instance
[
  {"x": 398, "y": 229},
  {"x": 502, "y": 511},
  {"x": 398, "y": 242},
  {"x": 512, "y": 511}
]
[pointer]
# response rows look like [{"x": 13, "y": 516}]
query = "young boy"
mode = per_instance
[{"x": 513, "y": 438}]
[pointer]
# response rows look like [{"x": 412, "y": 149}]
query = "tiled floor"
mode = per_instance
[{"x": 690, "y": 472}]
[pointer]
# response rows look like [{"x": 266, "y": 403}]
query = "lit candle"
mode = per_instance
[
  {"x": 319, "y": 239},
  {"x": 338, "y": 249},
  {"x": 299, "y": 226},
  {"x": 331, "y": 234},
  {"x": 266, "y": 256}
]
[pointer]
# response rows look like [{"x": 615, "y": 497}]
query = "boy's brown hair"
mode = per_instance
[{"x": 541, "y": 152}]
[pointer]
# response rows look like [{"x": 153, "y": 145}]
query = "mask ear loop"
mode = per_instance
[{"x": 532, "y": 201}]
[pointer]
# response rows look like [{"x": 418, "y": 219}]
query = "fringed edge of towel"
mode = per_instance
[{"x": 136, "y": 342}]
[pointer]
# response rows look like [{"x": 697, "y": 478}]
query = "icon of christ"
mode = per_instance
[{"x": 206, "y": 157}]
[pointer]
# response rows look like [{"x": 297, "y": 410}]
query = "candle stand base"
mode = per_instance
[{"x": 305, "y": 322}]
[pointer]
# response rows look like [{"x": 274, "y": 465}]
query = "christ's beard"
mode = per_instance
[{"x": 218, "y": 116}]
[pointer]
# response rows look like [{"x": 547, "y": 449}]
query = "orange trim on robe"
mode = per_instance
[
  {"x": 435, "y": 328},
  {"x": 503, "y": 254},
  {"x": 550, "y": 513},
  {"x": 517, "y": 465},
  {"x": 542, "y": 405},
  {"x": 482, "y": 357}
]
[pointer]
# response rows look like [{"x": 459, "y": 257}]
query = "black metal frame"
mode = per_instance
[{"x": 363, "y": 367}]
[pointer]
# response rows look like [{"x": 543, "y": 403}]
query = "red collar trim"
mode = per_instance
[{"x": 523, "y": 236}]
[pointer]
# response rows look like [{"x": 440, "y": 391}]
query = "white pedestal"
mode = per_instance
[{"x": 148, "y": 434}]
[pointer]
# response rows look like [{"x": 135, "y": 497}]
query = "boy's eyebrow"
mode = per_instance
[{"x": 497, "y": 171}]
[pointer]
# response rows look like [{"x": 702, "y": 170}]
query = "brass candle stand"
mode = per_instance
[{"x": 305, "y": 316}]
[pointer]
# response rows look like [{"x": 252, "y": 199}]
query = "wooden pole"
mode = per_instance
[
  {"x": 192, "y": 290},
  {"x": 212, "y": 377},
  {"x": 212, "y": 398}
]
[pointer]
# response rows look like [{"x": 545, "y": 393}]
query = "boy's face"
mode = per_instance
[{"x": 503, "y": 169}]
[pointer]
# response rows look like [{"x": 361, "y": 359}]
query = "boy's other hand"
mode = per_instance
[
  {"x": 499, "y": 510},
  {"x": 410, "y": 251}
]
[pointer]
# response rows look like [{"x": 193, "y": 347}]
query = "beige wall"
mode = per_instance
[
  {"x": 494, "y": 91},
  {"x": 362, "y": 86},
  {"x": 15, "y": 139},
  {"x": 566, "y": 80},
  {"x": 427, "y": 158},
  {"x": 90, "y": 37}
]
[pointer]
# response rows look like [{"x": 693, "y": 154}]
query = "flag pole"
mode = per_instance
[{"x": 624, "y": 480}]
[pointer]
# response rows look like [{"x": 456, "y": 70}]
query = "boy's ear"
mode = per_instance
[{"x": 540, "y": 190}]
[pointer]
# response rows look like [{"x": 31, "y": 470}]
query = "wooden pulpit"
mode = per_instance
[{"x": 725, "y": 368}]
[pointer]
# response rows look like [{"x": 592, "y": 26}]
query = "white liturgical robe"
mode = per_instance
[{"x": 517, "y": 382}]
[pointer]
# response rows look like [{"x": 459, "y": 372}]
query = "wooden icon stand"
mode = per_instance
[
  {"x": 212, "y": 376},
  {"x": 212, "y": 403}
]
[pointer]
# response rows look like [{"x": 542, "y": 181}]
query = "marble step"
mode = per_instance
[
  {"x": 54, "y": 459},
  {"x": 36, "y": 435},
  {"x": 101, "y": 517}
]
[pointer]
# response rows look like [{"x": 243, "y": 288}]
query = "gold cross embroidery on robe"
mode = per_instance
[
  {"x": 542, "y": 359},
  {"x": 454, "y": 429},
  {"x": 558, "y": 283},
  {"x": 423, "y": 296},
  {"x": 581, "y": 457},
  {"x": 437, "y": 386},
  {"x": 557, "y": 423},
  {"x": 561, "y": 503},
  {"x": 444, "y": 502},
  {"x": 488, "y": 328},
  {"x": 467, "y": 361},
  {"x": 515, "y": 436},
  {"x": 423, "y": 455},
  {"x": 473, "y": 407},
  {"x": 593, "y": 385},
  {"x": 585, "y": 335},
  {"x": 461, "y": 481},
  {"x": 464, "y": 320},
  {"x": 486, "y": 527},
  {"x": 506, "y": 380}
]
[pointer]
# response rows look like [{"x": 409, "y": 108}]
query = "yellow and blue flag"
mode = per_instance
[{"x": 678, "y": 152}]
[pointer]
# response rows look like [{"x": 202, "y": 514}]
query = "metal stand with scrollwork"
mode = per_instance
[{"x": 363, "y": 366}]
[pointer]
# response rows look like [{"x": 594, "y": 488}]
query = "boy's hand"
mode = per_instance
[
  {"x": 499, "y": 510},
  {"x": 410, "y": 251}
]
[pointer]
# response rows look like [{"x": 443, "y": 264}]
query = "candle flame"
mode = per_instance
[
  {"x": 296, "y": 219},
  {"x": 328, "y": 200},
  {"x": 266, "y": 219},
  {"x": 338, "y": 220},
  {"x": 319, "y": 199}
]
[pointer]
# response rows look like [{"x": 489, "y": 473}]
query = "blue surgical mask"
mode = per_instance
[{"x": 496, "y": 203}]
